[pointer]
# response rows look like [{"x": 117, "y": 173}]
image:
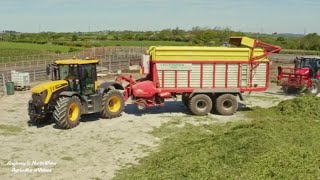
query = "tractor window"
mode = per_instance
[
  {"x": 318, "y": 63},
  {"x": 63, "y": 71},
  {"x": 68, "y": 72},
  {"x": 305, "y": 63},
  {"x": 88, "y": 78}
]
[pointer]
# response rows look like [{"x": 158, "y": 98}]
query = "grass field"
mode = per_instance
[
  {"x": 10, "y": 49},
  {"x": 142, "y": 43},
  {"x": 282, "y": 142}
]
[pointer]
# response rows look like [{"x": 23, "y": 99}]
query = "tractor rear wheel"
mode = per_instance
[
  {"x": 67, "y": 112},
  {"x": 227, "y": 104},
  {"x": 289, "y": 90},
  {"x": 286, "y": 89},
  {"x": 314, "y": 90},
  {"x": 112, "y": 104},
  {"x": 200, "y": 104}
]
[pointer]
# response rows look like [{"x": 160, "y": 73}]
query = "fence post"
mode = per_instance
[
  {"x": 109, "y": 63},
  {"x": 129, "y": 62},
  {"x": 4, "y": 84},
  {"x": 34, "y": 75}
]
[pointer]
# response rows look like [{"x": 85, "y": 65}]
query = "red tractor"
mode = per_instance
[{"x": 304, "y": 76}]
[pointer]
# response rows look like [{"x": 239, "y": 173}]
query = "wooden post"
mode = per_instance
[
  {"x": 4, "y": 84},
  {"x": 109, "y": 63}
]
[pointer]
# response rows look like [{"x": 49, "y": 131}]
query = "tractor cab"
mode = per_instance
[
  {"x": 308, "y": 66},
  {"x": 80, "y": 74}
]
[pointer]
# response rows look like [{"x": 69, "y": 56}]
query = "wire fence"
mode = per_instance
[{"x": 110, "y": 60}]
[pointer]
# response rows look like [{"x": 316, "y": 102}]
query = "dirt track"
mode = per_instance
[{"x": 97, "y": 147}]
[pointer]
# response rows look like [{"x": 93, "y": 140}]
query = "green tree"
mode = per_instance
[{"x": 74, "y": 37}]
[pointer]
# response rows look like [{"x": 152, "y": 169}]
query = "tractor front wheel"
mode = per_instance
[
  {"x": 112, "y": 104},
  {"x": 67, "y": 112},
  {"x": 289, "y": 90},
  {"x": 200, "y": 104},
  {"x": 314, "y": 90}
]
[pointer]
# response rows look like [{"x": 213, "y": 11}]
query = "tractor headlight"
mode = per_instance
[{"x": 38, "y": 99}]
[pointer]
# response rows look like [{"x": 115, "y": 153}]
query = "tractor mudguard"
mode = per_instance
[
  {"x": 106, "y": 85},
  {"x": 70, "y": 94}
]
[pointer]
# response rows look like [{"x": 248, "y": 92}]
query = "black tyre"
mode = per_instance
[
  {"x": 285, "y": 89},
  {"x": 67, "y": 112},
  {"x": 314, "y": 90},
  {"x": 112, "y": 104},
  {"x": 226, "y": 104},
  {"x": 200, "y": 104},
  {"x": 289, "y": 90}
]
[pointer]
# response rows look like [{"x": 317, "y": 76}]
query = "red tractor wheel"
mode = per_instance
[
  {"x": 314, "y": 90},
  {"x": 289, "y": 90}
]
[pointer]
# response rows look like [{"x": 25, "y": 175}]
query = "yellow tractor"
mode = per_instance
[{"x": 74, "y": 91}]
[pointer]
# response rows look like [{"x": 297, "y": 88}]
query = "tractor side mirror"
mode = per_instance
[{"x": 48, "y": 70}]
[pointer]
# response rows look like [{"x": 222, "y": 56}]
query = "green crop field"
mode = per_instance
[
  {"x": 144, "y": 43},
  {"x": 10, "y": 49},
  {"x": 281, "y": 142}
]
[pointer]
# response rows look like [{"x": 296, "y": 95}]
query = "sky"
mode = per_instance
[{"x": 264, "y": 16}]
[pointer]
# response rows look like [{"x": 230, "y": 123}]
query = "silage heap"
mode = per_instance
[
  {"x": 303, "y": 108},
  {"x": 281, "y": 142}
]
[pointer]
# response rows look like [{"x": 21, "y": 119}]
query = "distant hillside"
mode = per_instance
[{"x": 291, "y": 35}]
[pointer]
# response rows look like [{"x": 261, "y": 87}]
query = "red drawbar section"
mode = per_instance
[{"x": 155, "y": 76}]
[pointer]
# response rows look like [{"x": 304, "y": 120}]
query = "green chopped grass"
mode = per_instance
[
  {"x": 11, "y": 49},
  {"x": 281, "y": 142},
  {"x": 67, "y": 158}
]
